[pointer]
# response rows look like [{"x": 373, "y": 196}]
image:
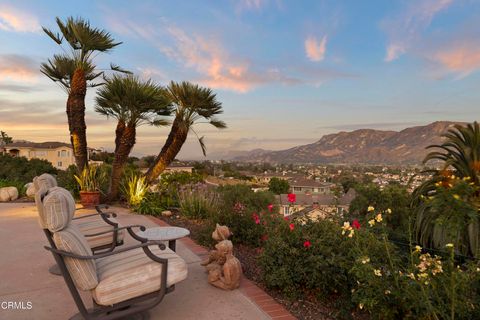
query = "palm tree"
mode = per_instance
[
  {"x": 446, "y": 211},
  {"x": 131, "y": 102},
  {"x": 192, "y": 103},
  {"x": 74, "y": 70}
]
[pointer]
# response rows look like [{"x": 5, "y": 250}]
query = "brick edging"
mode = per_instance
[{"x": 248, "y": 288}]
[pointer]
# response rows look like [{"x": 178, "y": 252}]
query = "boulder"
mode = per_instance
[
  {"x": 30, "y": 190},
  {"x": 8, "y": 194},
  {"x": 166, "y": 213}
]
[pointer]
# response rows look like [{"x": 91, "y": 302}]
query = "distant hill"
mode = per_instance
[{"x": 365, "y": 146}]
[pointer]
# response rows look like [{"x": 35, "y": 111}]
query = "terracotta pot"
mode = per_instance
[{"x": 89, "y": 199}]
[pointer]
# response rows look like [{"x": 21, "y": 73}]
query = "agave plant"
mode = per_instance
[
  {"x": 90, "y": 179},
  {"x": 135, "y": 189},
  {"x": 447, "y": 205}
]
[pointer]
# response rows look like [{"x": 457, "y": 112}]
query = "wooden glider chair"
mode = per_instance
[{"x": 124, "y": 282}]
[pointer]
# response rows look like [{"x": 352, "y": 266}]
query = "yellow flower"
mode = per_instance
[
  {"x": 371, "y": 223},
  {"x": 418, "y": 248},
  {"x": 422, "y": 275},
  {"x": 351, "y": 233},
  {"x": 449, "y": 245},
  {"x": 389, "y": 211},
  {"x": 456, "y": 196},
  {"x": 370, "y": 209},
  {"x": 378, "y": 217},
  {"x": 411, "y": 276},
  {"x": 347, "y": 227},
  {"x": 377, "y": 272}
]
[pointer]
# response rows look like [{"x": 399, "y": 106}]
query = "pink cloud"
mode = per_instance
[
  {"x": 314, "y": 49},
  {"x": 211, "y": 60},
  {"x": 18, "y": 68},
  {"x": 12, "y": 19},
  {"x": 405, "y": 29},
  {"x": 461, "y": 58}
]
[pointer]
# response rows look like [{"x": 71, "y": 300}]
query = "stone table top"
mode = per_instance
[{"x": 164, "y": 233}]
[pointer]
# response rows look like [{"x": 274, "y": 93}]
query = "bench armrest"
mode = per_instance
[{"x": 143, "y": 245}]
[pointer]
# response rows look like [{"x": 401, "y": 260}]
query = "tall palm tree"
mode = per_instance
[
  {"x": 192, "y": 103},
  {"x": 131, "y": 102},
  {"x": 74, "y": 70},
  {"x": 438, "y": 219}
]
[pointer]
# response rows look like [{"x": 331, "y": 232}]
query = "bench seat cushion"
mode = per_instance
[
  {"x": 131, "y": 274},
  {"x": 96, "y": 224}
]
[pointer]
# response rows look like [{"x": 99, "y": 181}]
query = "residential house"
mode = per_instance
[
  {"x": 315, "y": 206},
  {"x": 178, "y": 167},
  {"x": 306, "y": 186},
  {"x": 59, "y": 154}
]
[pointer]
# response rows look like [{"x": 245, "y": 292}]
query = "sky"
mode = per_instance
[{"x": 286, "y": 72}]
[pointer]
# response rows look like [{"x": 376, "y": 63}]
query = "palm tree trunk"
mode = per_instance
[
  {"x": 76, "y": 118},
  {"x": 176, "y": 138},
  {"x": 125, "y": 140}
]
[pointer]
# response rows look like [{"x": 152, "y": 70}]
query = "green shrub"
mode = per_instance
[
  {"x": 237, "y": 209},
  {"x": 66, "y": 179},
  {"x": 151, "y": 204},
  {"x": 179, "y": 178},
  {"x": 197, "y": 201},
  {"x": 364, "y": 271},
  {"x": 23, "y": 170}
]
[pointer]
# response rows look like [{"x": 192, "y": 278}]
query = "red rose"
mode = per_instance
[
  {"x": 291, "y": 226},
  {"x": 292, "y": 197},
  {"x": 270, "y": 207},
  {"x": 307, "y": 244},
  {"x": 355, "y": 224}
]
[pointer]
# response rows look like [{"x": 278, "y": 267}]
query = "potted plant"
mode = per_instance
[{"x": 89, "y": 182}]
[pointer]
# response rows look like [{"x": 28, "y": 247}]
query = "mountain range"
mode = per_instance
[{"x": 363, "y": 146}]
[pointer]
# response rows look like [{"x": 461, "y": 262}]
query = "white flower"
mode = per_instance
[
  {"x": 371, "y": 223},
  {"x": 379, "y": 218},
  {"x": 360, "y": 306},
  {"x": 365, "y": 260},
  {"x": 389, "y": 210},
  {"x": 377, "y": 272}
]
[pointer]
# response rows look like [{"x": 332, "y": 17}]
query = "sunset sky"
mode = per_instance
[{"x": 287, "y": 72}]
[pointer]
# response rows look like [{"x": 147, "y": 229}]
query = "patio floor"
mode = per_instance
[{"x": 24, "y": 278}]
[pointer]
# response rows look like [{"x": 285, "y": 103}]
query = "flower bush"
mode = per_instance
[{"x": 366, "y": 272}]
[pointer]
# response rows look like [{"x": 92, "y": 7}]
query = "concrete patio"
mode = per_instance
[{"x": 24, "y": 278}]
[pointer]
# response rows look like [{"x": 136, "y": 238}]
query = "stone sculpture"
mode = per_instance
[{"x": 224, "y": 269}]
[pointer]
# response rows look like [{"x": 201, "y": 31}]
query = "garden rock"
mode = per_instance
[
  {"x": 8, "y": 194},
  {"x": 30, "y": 190},
  {"x": 166, "y": 213}
]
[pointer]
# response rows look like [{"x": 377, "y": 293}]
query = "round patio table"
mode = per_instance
[{"x": 170, "y": 234}]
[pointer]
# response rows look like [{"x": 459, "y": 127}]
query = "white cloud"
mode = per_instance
[{"x": 406, "y": 28}]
